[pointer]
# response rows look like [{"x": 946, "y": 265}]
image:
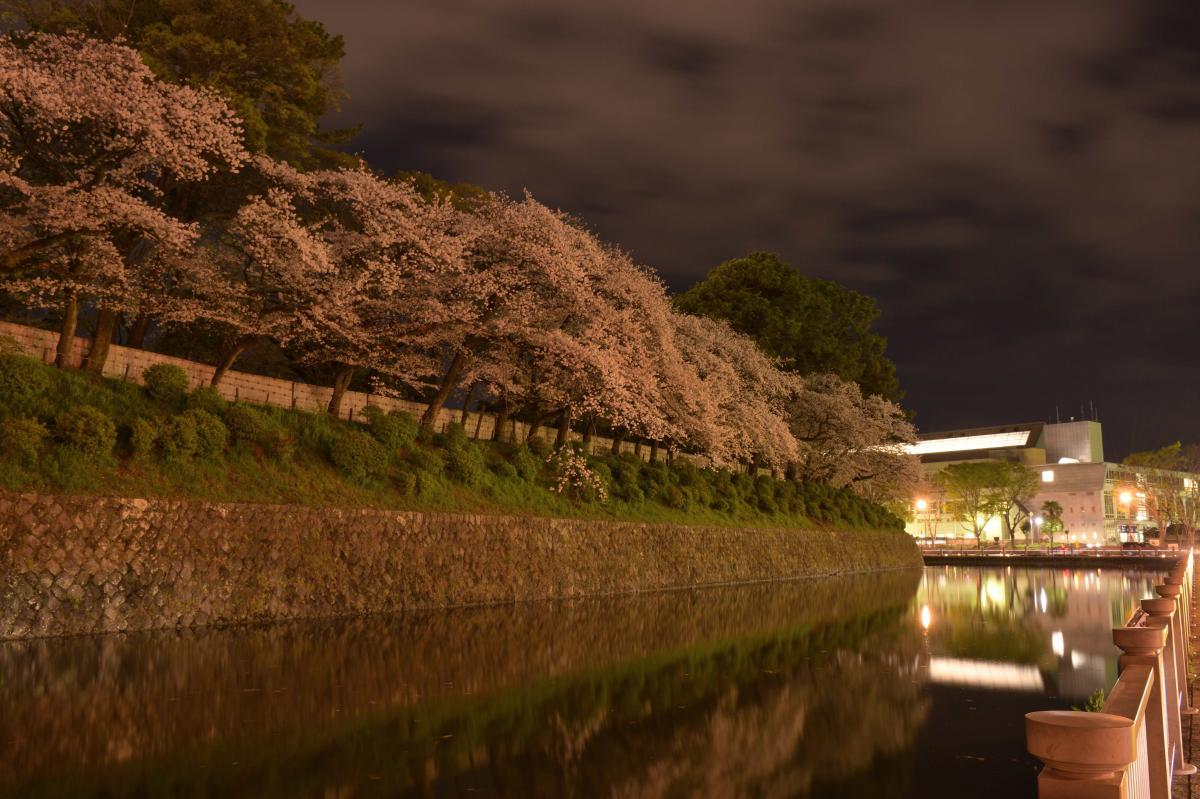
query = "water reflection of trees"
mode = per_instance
[{"x": 738, "y": 691}]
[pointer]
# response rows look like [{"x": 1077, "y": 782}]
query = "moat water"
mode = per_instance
[{"x": 898, "y": 684}]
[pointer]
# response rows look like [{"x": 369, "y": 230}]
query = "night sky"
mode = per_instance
[{"x": 1017, "y": 182}]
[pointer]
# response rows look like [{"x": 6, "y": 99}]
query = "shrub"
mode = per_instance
[
  {"x": 22, "y": 380},
  {"x": 248, "y": 425},
  {"x": 178, "y": 440},
  {"x": 502, "y": 468},
  {"x": 9, "y": 346},
  {"x": 86, "y": 431},
  {"x": 359, "y": 455},
  {"x": 143, "y": 435},
  {"x": 318, "y": 431},
  {"x": 208, "y": 399},
  {"x": 166, "y": 383},
  {"x": 464, "y": 461},
  {"x": 395, "y": 430},
  {"x": 528, "y": 465},
  {"x": 211, "y": 433},
  {"x": 672, "y": 497},
  {"x": 406, "y": 483},
  {"x": 22, "y": 439},
  {"x": 426, "y": 460}
]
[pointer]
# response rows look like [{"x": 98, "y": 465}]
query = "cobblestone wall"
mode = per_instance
[{"x": 79, "y": 564}]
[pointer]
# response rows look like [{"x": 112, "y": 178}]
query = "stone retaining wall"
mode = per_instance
[{"x": 82, "y": 564}]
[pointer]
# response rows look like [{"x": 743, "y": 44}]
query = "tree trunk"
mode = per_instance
[
  {"x": 501, "y": 420},
  {"x": 341, "y": 382},
  {"x": 588, "y": 431},
  {"x": 637, "y": 448},
  {"x": 449, "y": 383},
  {"x": 66, "y": 333},
  {"x": 535, "y": 423},
  {"x": 671, "y": 456},
  {"x": 478, "y": 423},
  {"x": 106, "y": 326},
  {"x": 466, "y": 411},
  {"x": 137, "y": 331},
  {"x": 226, "y": 364},
  {"x": 618, "y": 437},
  {"x": 653, "y": 451},
  {"x": 564, "y": 429}
]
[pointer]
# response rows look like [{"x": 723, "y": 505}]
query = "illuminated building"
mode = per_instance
[{"x": 1102, "y": 502}]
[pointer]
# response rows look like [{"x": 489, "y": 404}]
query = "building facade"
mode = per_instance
[{"x": 1102, "y": 503}]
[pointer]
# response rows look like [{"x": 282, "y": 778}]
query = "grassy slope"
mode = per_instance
[{"x": 248, "y": 473}]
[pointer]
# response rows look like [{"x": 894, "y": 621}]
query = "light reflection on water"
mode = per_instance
[
  {"x": 1057, "y": 622},
  {"x": 883, "y": 685}
]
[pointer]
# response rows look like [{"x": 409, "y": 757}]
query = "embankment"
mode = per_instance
[{"x": 86, "y": 564}]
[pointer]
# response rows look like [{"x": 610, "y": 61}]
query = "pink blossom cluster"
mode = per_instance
[
  {"x": 513, "y": 300},
  {"x": 572, "y": 476}
]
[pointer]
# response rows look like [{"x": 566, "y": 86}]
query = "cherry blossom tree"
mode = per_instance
[
  {"x": 89, "y": 139},
  {"x": 848, "y": 439},
  {"x": 514, "y": 313},
  {"x": 746, "y": 391},
  {"x": 330, "y": 264},
  {"x": 549, "y": 318}
]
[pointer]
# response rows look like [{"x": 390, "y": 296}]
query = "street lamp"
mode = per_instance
[
  {"x": 1037, "y": 527},
  {"x": 1126, "y": 497},
  {"x": 922, "y": 506}
]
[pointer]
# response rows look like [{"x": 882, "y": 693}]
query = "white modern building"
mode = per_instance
[{"x": 1102, "y": 502}]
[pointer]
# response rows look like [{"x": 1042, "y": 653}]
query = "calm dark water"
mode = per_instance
[{"x": 899, "y": 684}]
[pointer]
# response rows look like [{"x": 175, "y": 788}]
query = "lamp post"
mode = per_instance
[
  {"x": 1125, "y": 497},
  {"x": 922, "y": 506},
  {"x": 1037, "y": 528}
]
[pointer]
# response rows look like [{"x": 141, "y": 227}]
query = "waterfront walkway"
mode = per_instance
[
  {"x": 1190, "y": 787},
  {"x": 1101, "y": 558}
]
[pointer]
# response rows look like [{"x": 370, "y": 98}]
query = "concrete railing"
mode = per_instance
[{"x": 1134, "y": 748}]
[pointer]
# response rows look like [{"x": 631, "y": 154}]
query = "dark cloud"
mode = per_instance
[{"x": 1016, "y": 182}]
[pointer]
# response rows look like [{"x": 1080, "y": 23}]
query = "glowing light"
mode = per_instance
[
  {"x": 985, "y": 674},
  {"x": 1043, "y": 600},
  {"x": 1048, "y": 476},
  {"x": 968, "y": 443},
  {"x": 1125, "y": 498},
  {"x": 1057, "y": 643},
  {"x": 922, "y": 505},
  {"x": 926, "y": 617},
  {"x": 994, "y": 590}
]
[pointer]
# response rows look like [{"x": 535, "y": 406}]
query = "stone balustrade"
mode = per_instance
[{"x": 1134, "y": 749}]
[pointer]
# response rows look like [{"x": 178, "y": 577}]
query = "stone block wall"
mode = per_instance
[{"x": 82, "y": 564}]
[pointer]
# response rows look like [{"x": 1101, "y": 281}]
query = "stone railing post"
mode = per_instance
[
  {"x": 1181, "y": 576},
  {"x": 1143, "y": 646},
  {"x": 1086, "y": 754},
  {"x": 1163, "y": 613}
]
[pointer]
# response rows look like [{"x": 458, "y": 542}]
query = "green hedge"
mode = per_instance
[{"x": 113, "y": 436}]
